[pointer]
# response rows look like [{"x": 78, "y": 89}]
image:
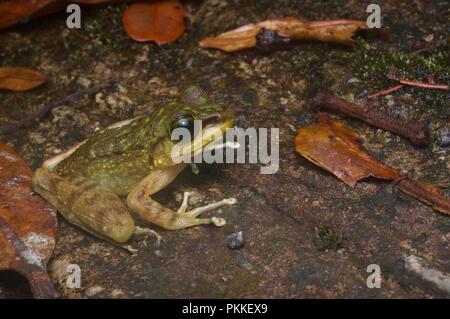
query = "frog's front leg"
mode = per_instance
[{"x": 140, "y": 202}]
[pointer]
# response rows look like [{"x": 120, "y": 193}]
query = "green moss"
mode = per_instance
[
  {"x": 106, "y": 26},
  {"x": 327, "y": 238},
  {"x": 371, "y": 64}
]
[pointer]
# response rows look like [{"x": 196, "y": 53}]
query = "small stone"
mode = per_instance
[
  {"x": 353, "y": 80},
  {"x": 236, "y": 240},
  {"x": 444, "y": 137}
]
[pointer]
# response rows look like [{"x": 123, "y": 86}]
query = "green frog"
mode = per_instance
[{"x": 132, "y": 158}]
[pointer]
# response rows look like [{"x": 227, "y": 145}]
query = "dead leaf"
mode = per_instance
[
  {"x": 160, "y": 21},
  {"x": 27, "y": 225},
  {"x": 334, "y": 147},
  {"x": 336, "y": 31},
  {"x": 20, "y": 79}
]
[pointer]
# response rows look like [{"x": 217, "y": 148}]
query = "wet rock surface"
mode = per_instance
[{"x": 306, "y": 233}]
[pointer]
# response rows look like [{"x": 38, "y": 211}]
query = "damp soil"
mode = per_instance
[{"x": 307, "y": 235}]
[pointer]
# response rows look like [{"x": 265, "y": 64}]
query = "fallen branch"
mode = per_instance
[
  {"x": 416, "y": 132},
  {"x": 55, "y": 103}
]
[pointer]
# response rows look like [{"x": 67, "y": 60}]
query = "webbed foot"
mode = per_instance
[
  {"x": 193, "y": 213},
  {"x": 147, "y": 231}
]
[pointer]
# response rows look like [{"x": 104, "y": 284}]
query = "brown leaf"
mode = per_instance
[
  {"x": 20, "y": 79},
  {"x": 336, "y": 31},
  {"x": 334, "y": 147},
  {"x": 27, "y": 225},
  {"x": 160, "y": 21}
]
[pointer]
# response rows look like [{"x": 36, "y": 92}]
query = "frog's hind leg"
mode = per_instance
[
  {"x": 86, "y": 204},
  {"x": 140, "y": 202}
]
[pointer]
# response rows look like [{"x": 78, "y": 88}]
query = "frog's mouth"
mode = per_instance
[{"x": 213, "y": 129}]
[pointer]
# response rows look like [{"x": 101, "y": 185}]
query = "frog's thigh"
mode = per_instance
[
  {"x": 140, "y": 202},
  {"x": 84, "y": 203}
]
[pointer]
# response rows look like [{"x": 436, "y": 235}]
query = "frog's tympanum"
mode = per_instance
[{"x": 131, "y": 158}]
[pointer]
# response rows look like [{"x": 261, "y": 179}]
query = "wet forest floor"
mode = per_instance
[{"x": 306, "y": 233}]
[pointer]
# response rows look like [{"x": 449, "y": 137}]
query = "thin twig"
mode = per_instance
[
  {"x": 55, "y": 103},
  {"x": 424, "y": 85},
  {"x": 391, "y": 75},
  {"x": 429, "y": 47},
  {"x": 384, "y": 92}
]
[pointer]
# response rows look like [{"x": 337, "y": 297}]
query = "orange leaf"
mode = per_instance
[
  {"x": 333, "y": 146},
  {"x": 20, "y": 79},
  {"x": 27, "y": 224},
  {"x": 336, "y": 31},
  {"x": 160, "y": 21}
]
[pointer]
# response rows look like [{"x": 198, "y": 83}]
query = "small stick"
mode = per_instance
[
  {"x": 424, "y": 85},
  {"x": 416, "y": 132},
  {"x": 383, "y": 92},
  {"x": 391, "y": 75},
  {"x": 55, "y": 103}
]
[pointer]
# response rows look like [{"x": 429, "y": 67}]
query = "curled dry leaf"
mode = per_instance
[
  {"x": 334, "y": 147},
  {"x": 160, "y": 21},
  {"x": 20, "y": 79},
  {"x": 27, "y": 225},
  {"x": 336, "y": 31}
]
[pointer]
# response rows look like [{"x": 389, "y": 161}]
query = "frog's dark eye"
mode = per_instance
[{"x": 183, "y": 121}]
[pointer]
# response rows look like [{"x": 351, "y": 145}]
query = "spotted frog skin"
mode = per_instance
[{"x": 131, "y": 158}]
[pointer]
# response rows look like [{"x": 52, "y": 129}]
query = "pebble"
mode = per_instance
[{"x": 236, "y": 240}]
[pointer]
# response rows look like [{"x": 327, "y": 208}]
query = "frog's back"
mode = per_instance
[{"x": 116, "y": 158}]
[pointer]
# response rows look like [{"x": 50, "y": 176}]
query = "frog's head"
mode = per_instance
[{"x": 194, "y": 106}]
